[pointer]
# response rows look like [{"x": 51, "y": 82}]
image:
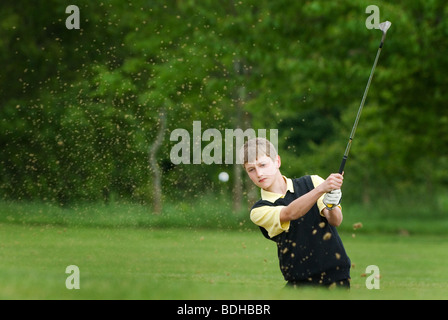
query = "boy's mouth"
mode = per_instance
[{"x": 262, "y": 180}]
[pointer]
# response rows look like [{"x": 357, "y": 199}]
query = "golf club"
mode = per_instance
[{"x": 383, "y": 27}]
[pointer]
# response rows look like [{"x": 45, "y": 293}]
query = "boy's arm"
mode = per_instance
[
  {"x": 334, "y": 217},
  {"x": 302, "y": 205}
]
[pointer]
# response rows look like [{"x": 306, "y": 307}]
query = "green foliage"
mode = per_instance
[
  {"x": 80, "y": 108},
  {"x": 212, "y": 212},
  {"x": 215, "y": 212}
]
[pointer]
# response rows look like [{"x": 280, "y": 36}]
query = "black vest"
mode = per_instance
[{"x": 311, "y": 250}]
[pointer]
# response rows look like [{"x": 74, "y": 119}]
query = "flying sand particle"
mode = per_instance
[{"x": 357, "y": 225}]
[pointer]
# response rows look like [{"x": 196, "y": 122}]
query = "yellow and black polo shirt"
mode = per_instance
[{"x": 309, "y": 248}]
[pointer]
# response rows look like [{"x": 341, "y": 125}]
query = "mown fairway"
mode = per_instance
[{"x": 132, "y": 263}]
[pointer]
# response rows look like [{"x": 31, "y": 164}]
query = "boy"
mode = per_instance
[{"x": 296, "y": 214}]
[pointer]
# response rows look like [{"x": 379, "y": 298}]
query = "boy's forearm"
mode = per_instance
[
  {"x": 334, "y": 217},
  {"x": 300, "y": 206}
]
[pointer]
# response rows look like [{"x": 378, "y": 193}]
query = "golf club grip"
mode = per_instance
[{"x": 341, "y": 168}]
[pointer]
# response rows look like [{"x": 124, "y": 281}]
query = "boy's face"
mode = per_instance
[{"x": 263, "y": 171}]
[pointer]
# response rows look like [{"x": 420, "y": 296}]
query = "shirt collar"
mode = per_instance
[{"x": 272, "y": 196}]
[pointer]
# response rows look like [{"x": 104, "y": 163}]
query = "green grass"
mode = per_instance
[
  {"x": 189, "y": 263},
  {"x": 204, "y": 250}
]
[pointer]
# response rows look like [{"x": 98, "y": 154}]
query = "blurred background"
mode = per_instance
[{"x": 86, "y": 115}]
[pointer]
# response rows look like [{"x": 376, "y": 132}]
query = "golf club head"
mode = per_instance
[{"x": 384, "y": 26}]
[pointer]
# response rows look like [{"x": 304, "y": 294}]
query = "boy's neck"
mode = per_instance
[{"x": 279, "y": 185}]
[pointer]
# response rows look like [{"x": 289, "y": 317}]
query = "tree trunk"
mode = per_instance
[
  {"x": 240, "y": 122},
  {"x": 237, "y": 187},
  {"x": 154, "y": 166}
]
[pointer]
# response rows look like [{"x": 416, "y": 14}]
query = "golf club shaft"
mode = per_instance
[{"x": 352, "y": 135}]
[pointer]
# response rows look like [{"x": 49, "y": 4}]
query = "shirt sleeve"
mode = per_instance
[
  {"x": 269, "y": 218},
  {"x": 317, "y": 180}
]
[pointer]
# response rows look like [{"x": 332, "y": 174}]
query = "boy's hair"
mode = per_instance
[{"x": 255, "y": 148}]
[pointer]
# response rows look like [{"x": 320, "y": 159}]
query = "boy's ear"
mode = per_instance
[{"x": 279, "y": 162}]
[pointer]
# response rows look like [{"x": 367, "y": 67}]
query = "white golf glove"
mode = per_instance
[{"x": 332, "y": 199}]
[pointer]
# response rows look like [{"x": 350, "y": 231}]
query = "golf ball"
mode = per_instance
[{"x": 223, "y": 176}]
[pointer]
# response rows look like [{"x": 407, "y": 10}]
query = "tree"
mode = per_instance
[{"x": 80, "y": 109}]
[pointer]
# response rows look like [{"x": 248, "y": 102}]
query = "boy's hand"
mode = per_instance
[
  {"x": 331, "y": 187},
  {"x": 332, "y": 199},
  {"x": 333, "y": 182}
]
